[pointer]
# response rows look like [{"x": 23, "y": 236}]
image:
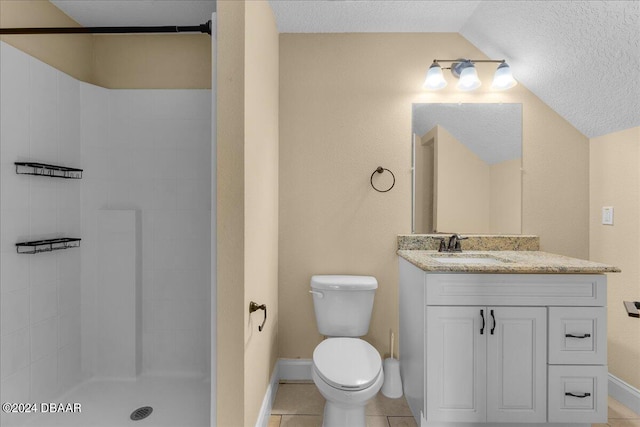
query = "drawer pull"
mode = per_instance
[
  {"x": 577, "y": 336},
  {"x": 580, "y": 396},
  {"x": 482, "y": 314}
]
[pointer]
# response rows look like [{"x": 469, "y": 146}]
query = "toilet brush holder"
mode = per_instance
[{"x": 392, "y": 386}]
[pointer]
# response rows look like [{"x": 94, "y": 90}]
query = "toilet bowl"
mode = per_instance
[{"x": 348, "y": 373}]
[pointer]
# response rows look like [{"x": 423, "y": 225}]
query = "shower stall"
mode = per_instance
[{"x": 118, "y": 326}]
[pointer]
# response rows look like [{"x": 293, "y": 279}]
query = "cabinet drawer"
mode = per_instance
[
  {"x": 578, "y": 335},
  {"x": 575, "y": 290},
  {"x": 577, "y": 394}
]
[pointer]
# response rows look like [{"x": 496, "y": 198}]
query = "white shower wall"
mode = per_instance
[
  {"x": 150, "y": 151},
  {"x": 39, "y": 294},
  {"x": 142, "y": 150}
]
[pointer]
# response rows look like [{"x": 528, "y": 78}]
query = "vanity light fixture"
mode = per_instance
[{"x": 465, "y": 71}]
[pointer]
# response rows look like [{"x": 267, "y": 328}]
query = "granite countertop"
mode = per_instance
[{"x": 519, "y": 262}]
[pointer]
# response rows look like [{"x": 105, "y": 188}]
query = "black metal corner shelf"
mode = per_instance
[
  {"x": 43, "y": 169},
  {"x": 48, "y": 245}
]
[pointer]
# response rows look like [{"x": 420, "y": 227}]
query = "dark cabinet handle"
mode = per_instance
[
  {"x": 577, "y": 336},
  {"x": 482, "y": 314},
  {"x": 494, "y": 322},
  {"x": 580, "y": 396},
  {"x": 255, "y": 307}
]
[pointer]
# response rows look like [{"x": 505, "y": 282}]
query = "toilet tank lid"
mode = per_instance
[{"x": 343, "y": 282}]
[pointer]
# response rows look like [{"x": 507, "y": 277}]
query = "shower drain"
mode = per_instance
[{"x": 141, "y": 413}]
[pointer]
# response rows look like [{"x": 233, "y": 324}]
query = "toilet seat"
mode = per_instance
[{"x": 347, "y": 363}]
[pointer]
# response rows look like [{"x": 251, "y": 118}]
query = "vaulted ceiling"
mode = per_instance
[{"x": 582, "y": 58}]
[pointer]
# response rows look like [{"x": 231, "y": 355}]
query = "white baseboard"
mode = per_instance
[
  {"x": 295, "y": 369},
  {"x": 624, "y": 393},
  {"x": 285, "y": 369},
  {"x": 269, "y": 397}
]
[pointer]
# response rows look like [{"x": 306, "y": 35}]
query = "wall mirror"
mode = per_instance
[{"x": 467, "y": 168}]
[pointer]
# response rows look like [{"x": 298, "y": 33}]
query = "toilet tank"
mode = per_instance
[{"x": 343, "y": 304}]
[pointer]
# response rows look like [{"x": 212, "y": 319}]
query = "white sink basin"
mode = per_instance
[{"x": 452, "y": 259}]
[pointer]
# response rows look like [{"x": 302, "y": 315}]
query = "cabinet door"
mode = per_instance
[
  {"x": 516, "y": 364},
  {"x": 456, "y": 360}
]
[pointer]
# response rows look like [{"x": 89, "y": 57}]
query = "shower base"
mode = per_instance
[{"x": 182, "y": 402}]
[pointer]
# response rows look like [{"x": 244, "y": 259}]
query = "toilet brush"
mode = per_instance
[{"x": 392, "y": 386}]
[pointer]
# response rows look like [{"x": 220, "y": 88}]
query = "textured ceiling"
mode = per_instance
[
  {"x": 98, "y": 13},
  {"x": 582, "y": 58},
  {"x": 492, "y": 131},
  {"x": 332, "y": 16}
]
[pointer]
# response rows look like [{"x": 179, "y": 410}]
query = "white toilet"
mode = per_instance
[{"x": 346, "y": 370}]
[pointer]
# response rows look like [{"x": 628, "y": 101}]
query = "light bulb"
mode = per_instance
[
  {"x": 435, "y": 80},
  {"x": 469, "y": 79},
  {"x": 503, "y": 79}
]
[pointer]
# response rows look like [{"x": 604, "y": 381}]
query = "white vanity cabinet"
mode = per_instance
[
  {"x": 482, "y": 349},
  {"x": 486, "y": 364}
]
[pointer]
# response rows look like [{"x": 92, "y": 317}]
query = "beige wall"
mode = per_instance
[
  {"x": 261, "y": 202},
  {"x": 247, "y": 207},
  {"x": 158, "y": 61},
  {"x": 345, "y": 108},
  {"x": 230, "y": 217},
  {"x": 506, "y": 197},
  {"x": 615, "y": 181},
  {"x": 463, "y": 187},
  {"x": 71, "y": 54}
]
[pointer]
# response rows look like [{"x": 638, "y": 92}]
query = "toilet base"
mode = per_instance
[
  {"x": 345, "y": 408},
  {"x": 342, "y": 416}
]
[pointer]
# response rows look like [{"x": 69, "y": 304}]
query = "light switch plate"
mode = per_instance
[{"x": 607, "y": 215}]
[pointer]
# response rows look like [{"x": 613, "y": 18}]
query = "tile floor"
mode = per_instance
[{"x": 301, "y": 405}]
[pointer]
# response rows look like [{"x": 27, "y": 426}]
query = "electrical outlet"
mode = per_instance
[{"x": 607, "y": 215}]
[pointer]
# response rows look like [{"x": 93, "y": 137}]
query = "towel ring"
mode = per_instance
[{"x": 380, "y": 169}]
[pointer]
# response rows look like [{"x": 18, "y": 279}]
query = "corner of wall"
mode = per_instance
[
  {"x": 230, "y": 213},
  {"x": 261, "y": 142}
]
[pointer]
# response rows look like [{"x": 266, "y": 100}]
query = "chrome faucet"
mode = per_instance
[{"x": 453, "y": 245}]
